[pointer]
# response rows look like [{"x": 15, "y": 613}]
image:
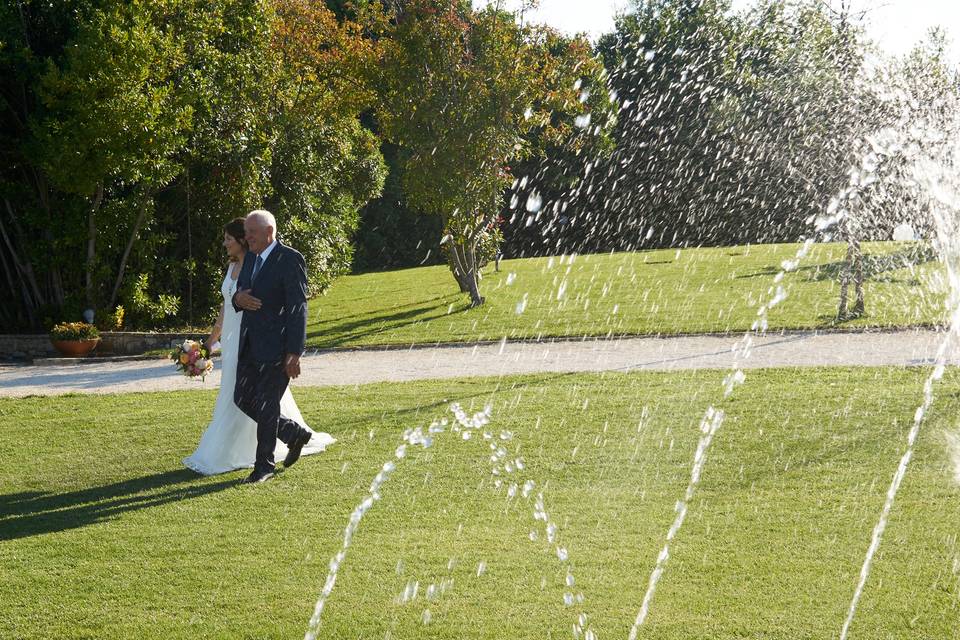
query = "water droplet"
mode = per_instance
[
  {"x": 522, "y": 305},
  {"x": 534, "y": 202}
]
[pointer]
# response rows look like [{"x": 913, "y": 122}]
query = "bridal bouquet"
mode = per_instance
[{"x": 191, "y": 359}]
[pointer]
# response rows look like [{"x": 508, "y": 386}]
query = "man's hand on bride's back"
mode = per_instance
[{"x": 246, "y": 301}]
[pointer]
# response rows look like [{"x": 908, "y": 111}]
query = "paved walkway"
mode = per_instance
[{"x": 801, "y": 349}]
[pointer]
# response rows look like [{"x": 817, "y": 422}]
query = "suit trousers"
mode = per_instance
[{"x": 258, "y": 390}]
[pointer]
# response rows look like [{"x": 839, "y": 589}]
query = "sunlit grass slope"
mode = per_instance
[{"x": 651, "y": 292}]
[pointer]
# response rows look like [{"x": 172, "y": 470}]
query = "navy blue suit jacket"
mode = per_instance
[{"x": 279, "y": 327}]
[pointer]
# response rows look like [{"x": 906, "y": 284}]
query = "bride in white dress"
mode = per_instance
[{"x": 230, "y": 441}]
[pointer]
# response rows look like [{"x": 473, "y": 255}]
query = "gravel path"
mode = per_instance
[{"x": 799, "y": 349}]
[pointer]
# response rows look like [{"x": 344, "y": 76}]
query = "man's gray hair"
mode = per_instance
[{"x": 264, "y": 217}]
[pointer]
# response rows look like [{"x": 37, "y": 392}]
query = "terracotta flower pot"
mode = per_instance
[{"x": 75, "y": 348}]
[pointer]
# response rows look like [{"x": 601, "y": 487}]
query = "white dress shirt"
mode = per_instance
[{"x": 266, "y": 252}]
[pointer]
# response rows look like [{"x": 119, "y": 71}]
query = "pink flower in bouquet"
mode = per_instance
[{"x": 193, "y": 356}]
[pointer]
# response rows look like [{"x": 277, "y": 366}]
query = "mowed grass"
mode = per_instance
[
  {"x": 642, "y": 293},
  {"x": 103, "y": 535}
]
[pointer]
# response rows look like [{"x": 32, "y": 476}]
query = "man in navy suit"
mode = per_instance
[{"x": 272, "y": 293}]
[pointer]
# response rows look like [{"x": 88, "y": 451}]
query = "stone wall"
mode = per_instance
[
  {"x": 26, "y": 347},
  {"x": 128, "y": 343},
  {"x": 116, "y": 343}
]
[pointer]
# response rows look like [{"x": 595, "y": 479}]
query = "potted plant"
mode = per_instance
[{"x": 74, "y": 339}]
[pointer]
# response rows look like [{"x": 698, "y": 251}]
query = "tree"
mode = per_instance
[
  {"x": 666, "y": 182},
  {"x": 136, "y": 129},
  {"x": 114, "y": 119},
  {"x": 455, "y": 88},
  {"x": 576, "y": 115},
  {"x": 391, "y": 234},
  {"x": 849, "y": 63},
  {"x": 912, "y": 121},
  {"x": 325, "y": 166},
  {"x": 86, "y": 121}
]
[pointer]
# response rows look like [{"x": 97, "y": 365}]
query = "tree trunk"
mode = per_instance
[
  {"x": 56, "y": 284},
  {"x": 144, "y": 205},
  {"x": 858, "y": 306},
  {"x": 92, "y": 245},
  {"x": 30, "y": 305},
  {"x": 470, "y": 254},
  {"x": 461, "y": 281},
  {"x": 13, "y": 292},
  {"x": 43, "y": 193},
  {"x": 189, "y": 256},
  {"x": 28, "y": 280},
  {"x": 845, "y": 270},
  {"x": 457, "y": 268},
  {"x": 465, "y": 271}
]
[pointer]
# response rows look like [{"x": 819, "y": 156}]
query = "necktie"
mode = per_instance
[{"x": 256, "y": 268}]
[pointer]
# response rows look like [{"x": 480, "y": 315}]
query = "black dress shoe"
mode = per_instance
[
  {"x": 296, "y": 447},
  {"x": 258, "y": 476}
]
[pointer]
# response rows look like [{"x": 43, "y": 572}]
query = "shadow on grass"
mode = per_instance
[
  {"x": 488, "y": 388},
  {"x": 32, "y": 513},
  {"x": 500, "y": 385},
  {"x": 874, "y": 265},
  {"x": 365, "y": 315},
  {"x": 340, "y": 333}
]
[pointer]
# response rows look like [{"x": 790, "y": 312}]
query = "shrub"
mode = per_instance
[
  {"x": 112, "y": 321},
  {"x": 141, "y": 311}
]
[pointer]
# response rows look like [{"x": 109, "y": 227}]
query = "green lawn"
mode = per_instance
[
  {"x": 103, "y": 535},
  {"x": 649, "y": 292}
]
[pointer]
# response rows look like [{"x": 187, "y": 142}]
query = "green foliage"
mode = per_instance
[
  {"x": 458, "y": 89},
  {"x": 74, "y": 331},
  {"x": 391, "y": 234},
  {"x": 145, "y": 312},
  {"x": 114, "y": 321},
  {"x": 489, "y": 244},
  {"x": 319, "y": 184},
  {"x": 134, "y": 130},
  {"x": 112, "y": 112},
  {"x": 672, "y": 178},
  {"x": 573, "y": 123},
  {"x": 137, "y": 129},
  {"x": 737, "y": 125}
]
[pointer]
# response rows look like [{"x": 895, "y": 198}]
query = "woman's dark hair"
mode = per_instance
[{"x": 234, "y": 229}]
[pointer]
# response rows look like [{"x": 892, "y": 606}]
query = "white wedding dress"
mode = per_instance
[{"x": 230, "y": 441}]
